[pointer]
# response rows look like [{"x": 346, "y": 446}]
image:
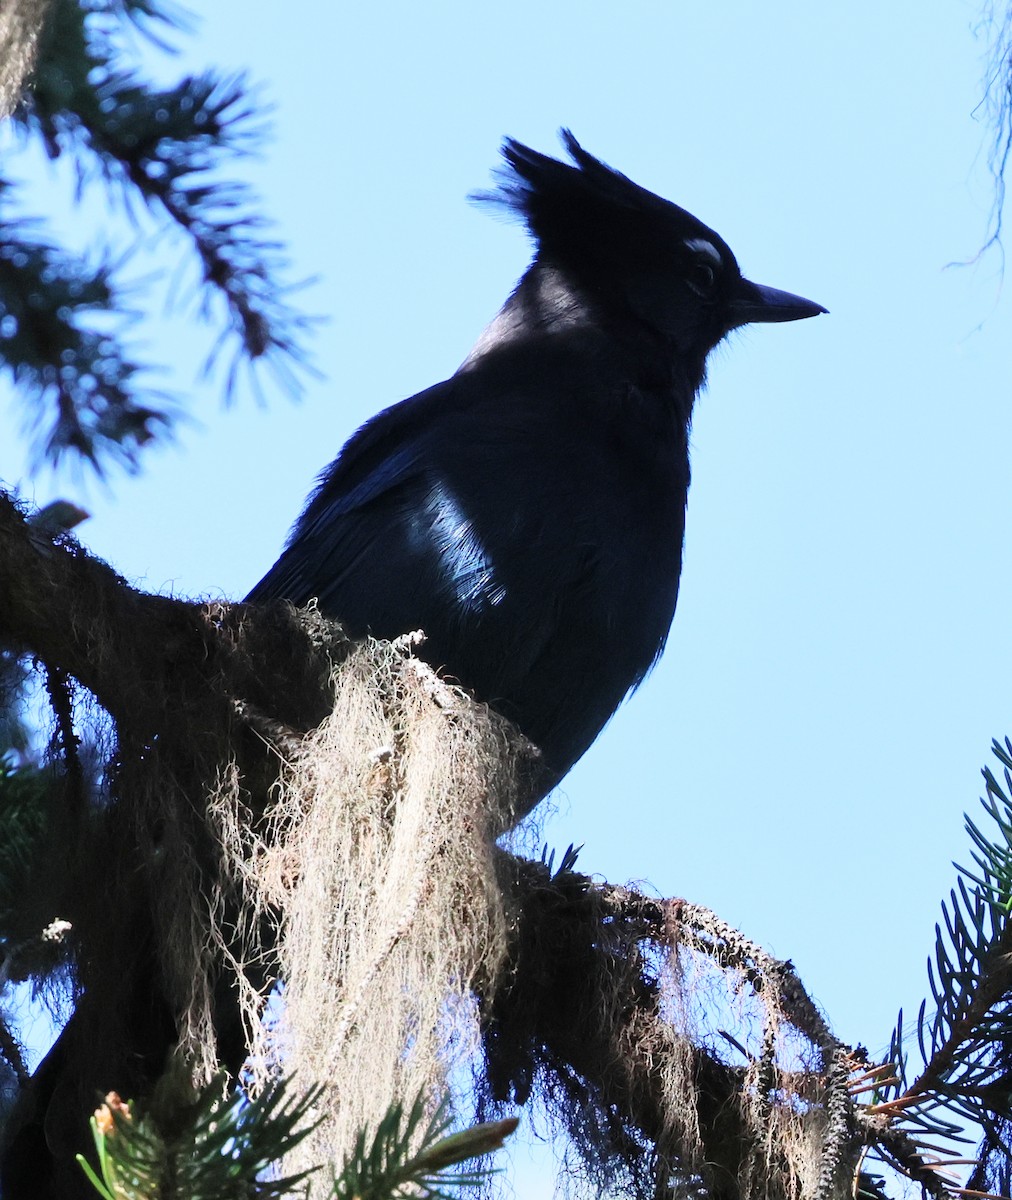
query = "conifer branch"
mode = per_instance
[{"x": 62, "y": 319}]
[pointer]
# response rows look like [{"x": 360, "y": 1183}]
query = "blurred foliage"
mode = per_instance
[
  {"x": 410, "y": 1152},
  {"x": 190, "y": 1144},
  {"x": 146, "y": 151}
]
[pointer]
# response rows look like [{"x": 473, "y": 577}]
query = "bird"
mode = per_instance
[{"x": 528, "y": 513}]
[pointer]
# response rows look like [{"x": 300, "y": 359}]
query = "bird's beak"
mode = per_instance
[{"x": 754, "y": 302}]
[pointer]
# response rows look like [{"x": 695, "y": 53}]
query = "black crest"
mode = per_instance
[{"x": 587, "y": 204}]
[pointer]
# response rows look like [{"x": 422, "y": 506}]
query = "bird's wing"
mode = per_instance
[
  {"x": 425, "y": 522},
  {"x": 512, "y": 516},
  {"x": 375, "y": 470}
]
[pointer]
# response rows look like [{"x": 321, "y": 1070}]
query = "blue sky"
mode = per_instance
[{"x": 840, "y": 657}]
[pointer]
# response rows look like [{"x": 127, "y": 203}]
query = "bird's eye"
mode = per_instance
[
  {"x": 701, "y": 277},
  {"x": 703, "y": 267}
]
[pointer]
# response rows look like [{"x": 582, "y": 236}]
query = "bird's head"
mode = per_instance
[{"x": 645, "y": 265}]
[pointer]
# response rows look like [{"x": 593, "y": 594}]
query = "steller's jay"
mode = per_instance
[{"x": 528, "y": 512}]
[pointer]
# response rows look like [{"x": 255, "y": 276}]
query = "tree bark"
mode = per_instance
[{"x": 21, "y": 26}]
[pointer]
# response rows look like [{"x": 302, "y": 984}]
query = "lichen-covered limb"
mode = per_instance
[{"x": 147, "y": 658}]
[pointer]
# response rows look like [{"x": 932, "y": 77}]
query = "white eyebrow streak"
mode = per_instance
[{"x": 702, "y": 246}]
